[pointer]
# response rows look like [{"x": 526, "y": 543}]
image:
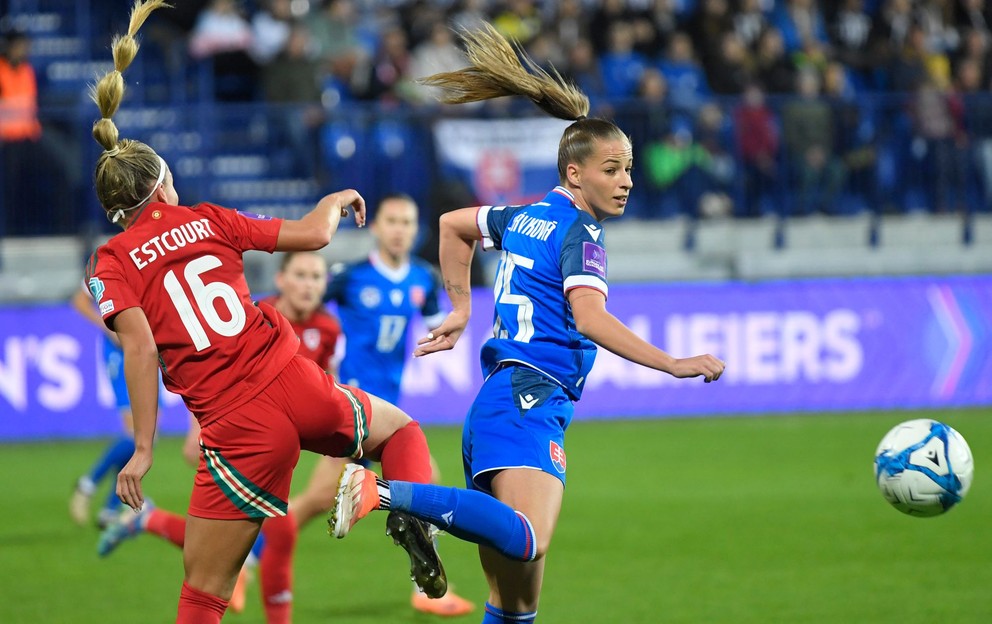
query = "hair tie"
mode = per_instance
[
  {"x": 113, "y": 151},
  {"x": 580, "y": 118}
]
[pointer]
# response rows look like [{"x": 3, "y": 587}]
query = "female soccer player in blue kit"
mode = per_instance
[
  {"x": 550, "y": 314},
  {"x": 119, "y": 451}
]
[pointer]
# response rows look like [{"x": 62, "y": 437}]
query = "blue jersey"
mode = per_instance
[
  {"x": 549, "y": 248},
  {"x": 375, "y": 304}
]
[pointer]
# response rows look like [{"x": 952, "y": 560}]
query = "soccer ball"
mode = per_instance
[{"x": 923, "y": 467}]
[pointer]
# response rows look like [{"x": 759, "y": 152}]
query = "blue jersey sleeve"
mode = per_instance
[
  {"x": 583, "y": 256},
  {"x": 492, "y": 222}
]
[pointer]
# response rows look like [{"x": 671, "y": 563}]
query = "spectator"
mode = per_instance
[
  {"x": 749, "y": 22},
  {"x": 916, "y": 64},
  {"x": 606, "y": 14},
  {"x": 775, "y": 71},
  {"x": 519, "y": 20},
  {"x": 334, "y": 34},
  {"x": 33, "y": 175},
  {"x": 808, "y": 134},
  {"x": 975, "y": 48},
  {"x": 801, "y": 24},
  {"x": 890, "y": 32},
  {"x": 290, "y": 82},
  {"x": 584, "y": 70},
  {"x": 706, "y": 28},
  {"x": 850, "y": 37},
  {"x": 664, "y": 23},
  {"x": 569, "y": 24},
  {"x": 687, "y": 86},
  {"x": 977, "y": 123},
  {"x": 270, "y": 29},
  {"x": 621, "y": 65},
  {"x": 388, "y": 75},
  {"x": 855, "y": 133},
  {"x": 938, "y": 145},
  {"x": 758, "y": 140},
  {"x": 438, "y": 54},
  {"x": 223, "y": 35},
  {"x": 730, "y": 72}
]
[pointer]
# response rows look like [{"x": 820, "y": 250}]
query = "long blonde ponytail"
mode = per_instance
[
  {"x": 126, "y": 168},
  {"x": 500, "y": 68}
]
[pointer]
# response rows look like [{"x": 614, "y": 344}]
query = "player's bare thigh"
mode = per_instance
[
  {"x": 535, "y": 494},
  {"x": 514, "y": 585},
  {"x": 386, "y": 420}
]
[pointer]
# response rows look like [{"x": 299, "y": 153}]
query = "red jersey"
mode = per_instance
[
  {"x": 182, "y": 266},
  {"x": 318, "y": 335}
]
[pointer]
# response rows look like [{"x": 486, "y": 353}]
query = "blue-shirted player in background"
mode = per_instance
[
  {"x": 377, "y": 299},
  {"x": 120, "y": 449},
  {"x": 550, "y": 315}
]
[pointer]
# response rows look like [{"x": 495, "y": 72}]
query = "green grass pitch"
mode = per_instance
[{"x": 718, "y": 520}]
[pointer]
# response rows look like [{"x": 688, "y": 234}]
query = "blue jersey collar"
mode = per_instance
[{"x": 559, "y": 195}]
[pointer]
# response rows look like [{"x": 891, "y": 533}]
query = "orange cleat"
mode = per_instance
[
  {"x": 449, "y": 605},
  {"x": 237, "y": 602},
  {"x": 357, "y": 496}
]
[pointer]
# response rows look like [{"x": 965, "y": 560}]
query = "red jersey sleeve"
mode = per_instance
[
  {"x": 108, "y": 285},
  {"x": 243, "y": 229}
]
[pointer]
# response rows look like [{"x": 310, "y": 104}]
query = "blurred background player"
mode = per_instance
[
  {"x": 116, "y": 454},
  {"x": 376, "y": 299},
  {"x": 550, "y": 315},
  {"x": 300, "y": 284}
]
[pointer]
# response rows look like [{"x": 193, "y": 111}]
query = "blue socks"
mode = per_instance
[
  {"x": 469, "y": 515},
  {"x": 494, "y": 615},
  {"x": 114, "y": 456}
]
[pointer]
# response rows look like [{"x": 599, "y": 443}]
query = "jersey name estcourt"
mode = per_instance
[
  {"x": 533, "y": 227},
  {"x": 170, "y": 240}
]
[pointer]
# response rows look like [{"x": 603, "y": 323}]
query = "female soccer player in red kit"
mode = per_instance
[
  {"x": 172, "y": 286},
  {"x": 301, "y": 282}
]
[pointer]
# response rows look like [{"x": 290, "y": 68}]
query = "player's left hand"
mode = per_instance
[
  {"x": 444, "y": 337},
  {"x": 129, "y": 479}
]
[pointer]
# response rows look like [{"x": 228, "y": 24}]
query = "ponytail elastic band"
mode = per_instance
[
  {"x": 580, "y": 118},
  {"x": 161, "y": 176}
]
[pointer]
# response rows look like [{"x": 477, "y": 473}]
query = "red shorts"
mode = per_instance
[{"x": 248, "y": 456}]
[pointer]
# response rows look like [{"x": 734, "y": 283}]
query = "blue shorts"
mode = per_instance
[
  {"x": 518, "y": 420},
  {"x": 113, "y": 359}
]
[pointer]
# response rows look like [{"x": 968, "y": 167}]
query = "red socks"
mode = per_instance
[
  {"x": 276, "y": 568},
  {"x": 167, "y": 525},
  {"x": 197, "y": 607},
  {"x": 405, "y": 456}
]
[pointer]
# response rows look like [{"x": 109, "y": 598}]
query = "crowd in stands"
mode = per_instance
[{"x": 742, "y": 106}]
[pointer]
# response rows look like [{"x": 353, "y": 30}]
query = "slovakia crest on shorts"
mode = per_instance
[
  {"x": 311, "y": 338},
  {"x": 558, "y": 457}
]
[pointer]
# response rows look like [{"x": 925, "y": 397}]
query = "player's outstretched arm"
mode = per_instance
[
  {"x": 458, "y": 236},
  {"x": 315, "y": 229},
  {"x": 141, "y": 375},
  {"x": 595, "y": 323}
]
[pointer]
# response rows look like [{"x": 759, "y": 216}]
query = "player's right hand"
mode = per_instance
[
  {"x": 444, "y": 336},
  {"x": 710, "y": 367},
  {"x": 129, "y": 479},
  {"x": 351, "y": 198}
]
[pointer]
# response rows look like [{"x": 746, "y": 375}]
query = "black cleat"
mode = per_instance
[{"x": 425, "y": 565}]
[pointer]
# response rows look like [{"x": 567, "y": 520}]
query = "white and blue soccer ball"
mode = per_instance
[{"x": 923, "y": 467}]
